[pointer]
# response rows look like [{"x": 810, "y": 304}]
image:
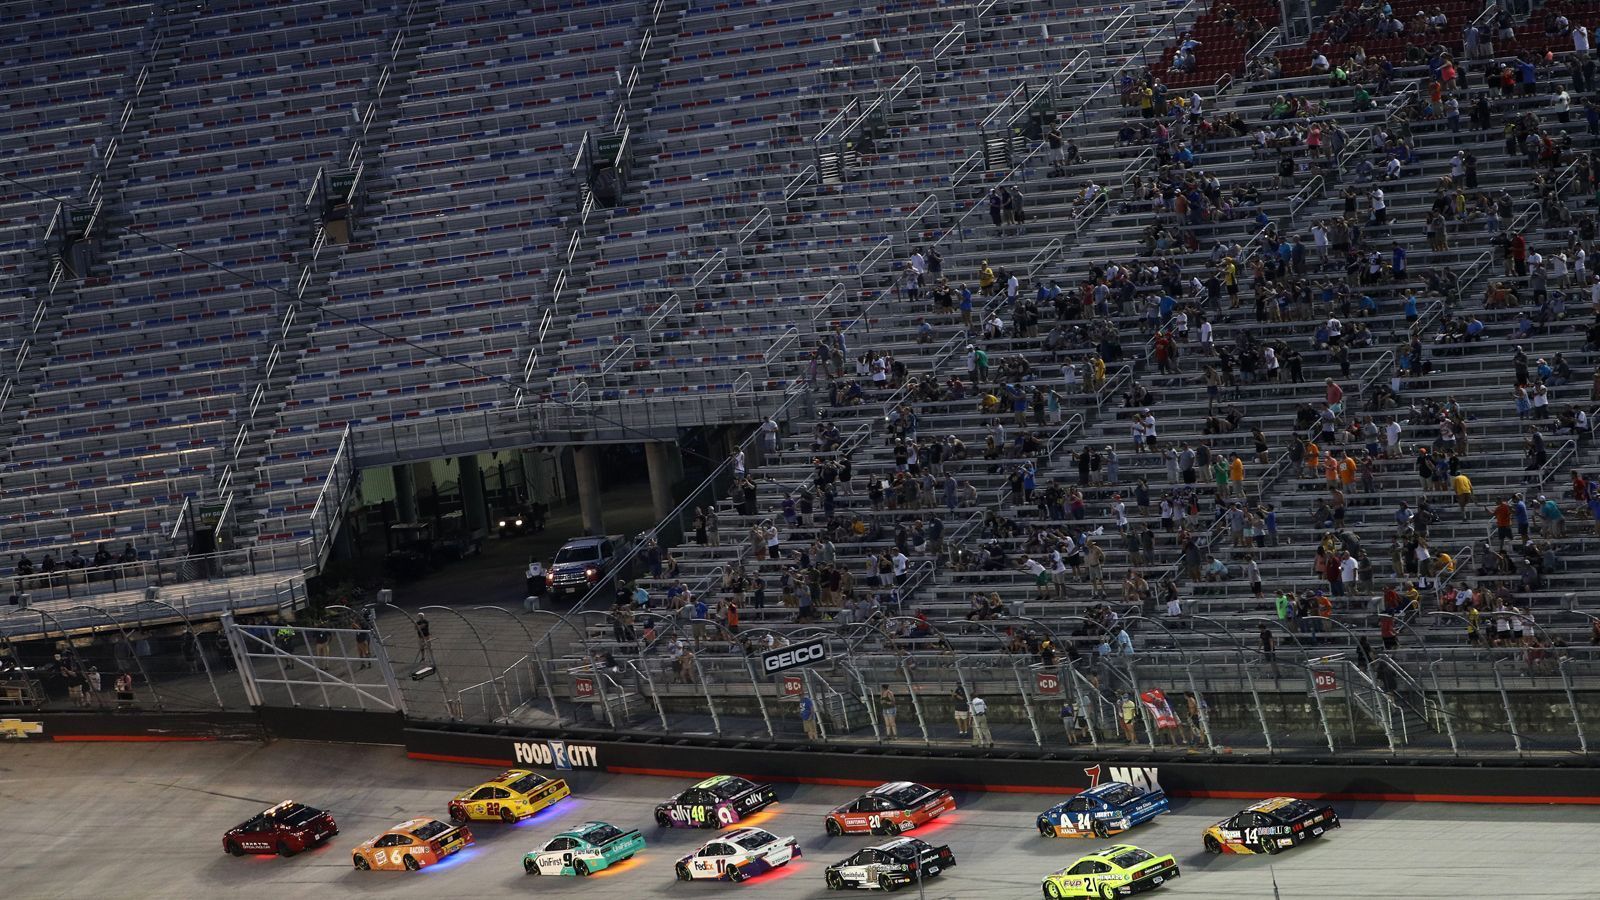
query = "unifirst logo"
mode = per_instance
[
  {"x": 1142, "y": 777},
  {"x": 556, "y": 754}
]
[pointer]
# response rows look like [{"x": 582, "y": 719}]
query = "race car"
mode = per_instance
[
  {"x": 285, "y": 829},
  {"x": 1119, "y": 871},
  {"x": 412, "y": 845},
  {"x": 1270, "y": 826},
  {"x": 1103, "y": 810},
  {"x": 509, "y": 796},
  {"x": 741, "y": 853},
  {"x": 890, "y": 809},
  {"x": 588, "y": 848},
  {"x": 889, "y": 867},
  {"x": 717, "y": 802}
]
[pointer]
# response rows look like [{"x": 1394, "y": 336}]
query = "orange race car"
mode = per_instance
[
  {"x": 412, "y": 845},
  {"x": 890, "y": 809},
  {"x": 513, "y": 794}
]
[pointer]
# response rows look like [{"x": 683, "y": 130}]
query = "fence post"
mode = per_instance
[
  {"x": 1444, "y": 712},
  {"x": 1138, "y": 701},
  {"x": 494, "y": 682},
  {"x": 1200, "y": 706},
  {"x": 1505, "y": 701},
  {"x": 1255, "y": 700},
  {"x": 1077, "y": 704},
  {"x": 754, "y": 686},
  {"x": 1572, "y": 703},
  {"x": 819, "y": 713},
  {"x": 1027, "y": 705}
]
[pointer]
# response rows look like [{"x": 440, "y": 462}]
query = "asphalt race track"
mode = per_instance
[{"x": 146, "y": 820}]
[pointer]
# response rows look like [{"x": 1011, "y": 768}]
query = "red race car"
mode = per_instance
[
  {"x": 285, "y": 829},
  {"x": 890, "y": 809}
]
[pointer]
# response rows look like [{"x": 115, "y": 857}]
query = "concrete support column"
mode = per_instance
[
  {"x": 586, "y": 460},
  {"x": 472, "y": 493},
  {"x": 661, "y": 458},
  {"x": 405, "y": 493}
]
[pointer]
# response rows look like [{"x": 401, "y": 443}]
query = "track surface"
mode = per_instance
[{"x": 134, "y": 820}]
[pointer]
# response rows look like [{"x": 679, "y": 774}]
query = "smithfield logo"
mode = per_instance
[
  {"x": 556, "y": 754},
  {"x": 1142, "y": 777},
  {"x": 775, "y": 661}
]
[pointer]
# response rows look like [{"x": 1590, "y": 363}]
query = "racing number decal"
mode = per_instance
[
  {"x": 1252, "y": 836},
  {"x": 491, "y": 809},
  {"x": 874, "y": 821},
  {"x": 566, "y": 860}
]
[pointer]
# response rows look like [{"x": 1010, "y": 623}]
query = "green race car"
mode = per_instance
[
  {"x": 1119, "y": 871},
  {"x": 588, "y": 848}
]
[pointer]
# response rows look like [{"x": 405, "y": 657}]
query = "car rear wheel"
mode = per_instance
[
  {"x": 580, "y": 867},
  {"x": 1271, "y": 846},
  {"x": 886, "y": 883},
  {"x": 1107, "y": 892},
  {"x": 458, "y": 815},
  {"x": 833, "y": 828},
  {"x": 286, "y": 849},
  {"x": 361, "y": 862},
  {"x": 682, "y": 872},
  {"x": 1099, "y": 829},
  {"x": 735, "y": 874},
  {"x": 411, "y": 864},
  {"x": 835, "y": 883},
  {"x": 234, "y": 848},
  {"x": 531, "y": 867},
  {"x": 508, "y": 817}
]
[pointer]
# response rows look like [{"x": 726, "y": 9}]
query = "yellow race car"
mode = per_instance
[
  {"x": 513, "y": 794},
  {"x": 1119, "y": 871}
]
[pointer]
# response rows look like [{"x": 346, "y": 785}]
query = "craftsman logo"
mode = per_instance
[
  {"x": 1141, "y": 777},
  {"x": 16, "y": 728},
  {"x": 795, "y": 656},
  {"x": 556, "y": 754}
]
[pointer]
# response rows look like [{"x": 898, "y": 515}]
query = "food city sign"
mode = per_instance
[
  {"x": 794, "y": 656},
  {"x": 556, "y": 754}
]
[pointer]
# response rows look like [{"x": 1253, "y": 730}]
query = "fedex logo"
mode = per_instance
[
  {"x": 1142, "y": 777},
  {"x": 556, "y": 754}
]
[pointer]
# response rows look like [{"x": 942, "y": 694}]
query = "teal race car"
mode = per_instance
[{"x": 588, "y": 848}]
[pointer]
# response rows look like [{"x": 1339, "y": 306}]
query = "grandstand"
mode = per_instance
[{"x": 254, "y": 248}]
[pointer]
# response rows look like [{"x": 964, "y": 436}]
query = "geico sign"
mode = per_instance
[
  {"x": 775, "y": 661},
  {"x": 557, "y": 754}
]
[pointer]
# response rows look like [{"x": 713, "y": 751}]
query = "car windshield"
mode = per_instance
[
  {"x": 1130, "y": 857},
  {"x": 602, "y": 834},
  {"x": 907, "y": 795},
  {"x": 580, "y": 553},
  {"x": 430, "y": 830},
  {"x": 526, "y": 783},
  {"x": 907, "y": 849},
  {"x": 755, "y": 839},
  {"x": 1122, "y": 793},
  {"x": 293, "y": 813},
  {"x": 729, "y": 787}
]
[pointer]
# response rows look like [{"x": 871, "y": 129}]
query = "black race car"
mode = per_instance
[
  {"x": 717, "y": 802},
  {"x": 1270, "y": 826},
  {"x": 891, "y": 866}
]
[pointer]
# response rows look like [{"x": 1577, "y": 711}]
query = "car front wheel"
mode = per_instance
[
  {"x": 662, "y": 819},
  {"x": 682, "y": 872},
  {"x": 361, "y": 862},
  {"x": 1052, "y": 890},
  {"x": 531, "y": 867},
  {"x": 1211, "y": 845},
  {"x": 835, "y": 883},
  {"x": 832, "y": 827},
  {"x": 234, "y": 848}
]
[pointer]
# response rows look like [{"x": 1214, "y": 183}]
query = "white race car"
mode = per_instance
[{"x": 737, "y": 855}]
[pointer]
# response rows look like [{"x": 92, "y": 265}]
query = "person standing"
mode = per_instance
[
  {"x": 980, "y": 723},
  {"x": 808, "y": 716},
  {"x": 1127, "y": 711},
  {"x": 963, "y": 711},
  {"x": 424, "y": 637},
  {"x": 886, "y": 707}
]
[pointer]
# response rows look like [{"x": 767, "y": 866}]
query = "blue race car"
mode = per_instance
[{"x": 1102, "y": 811}]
